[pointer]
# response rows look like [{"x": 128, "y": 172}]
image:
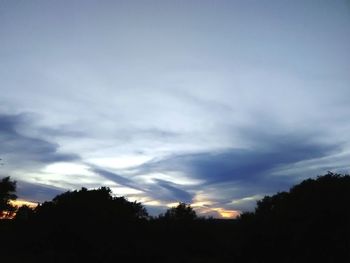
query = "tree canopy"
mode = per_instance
[
  {"x": 95, "y": 204},
  {"x": 7, "y": 193},
  {"x": 182, "y": 212},
  {"x": 313, "y": 217},
  {"x": 308, "y": 223}
]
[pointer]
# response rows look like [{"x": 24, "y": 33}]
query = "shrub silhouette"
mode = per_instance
[
  {"x": 97, "y": 204},
  {"x": 308, "y": 223},
  {"x": 312, "y": 219},
  {"x": 182, "y": 212},
  {"x": 24, "y": 213},
  {"x": 7, "y": 193}
]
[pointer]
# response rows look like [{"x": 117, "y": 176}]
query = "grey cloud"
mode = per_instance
[
  {"x": 159, "y": 190},
  {"x": 19, "y": 148},
  {"x": 180, "y": 93},
  {"x": 171, "y": 191},
  {"x": 37, "y": 192},
  {"x": 114, "y": 177},
  {"x": 238, "y": 173},
  {"x": 242, "y": 164}
]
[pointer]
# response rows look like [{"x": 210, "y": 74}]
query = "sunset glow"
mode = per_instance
[
  {"x": 19, "y": 203},
  {"x": 210, "y": 103}
]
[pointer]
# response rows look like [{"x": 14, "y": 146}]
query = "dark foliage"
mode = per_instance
[
  {"x": 182, "y": 212},
  {"x": 309, "y": 223},
  {"x": 87, "y": 205},
  {"x": 7, "y": 193},
  {"x": 24, "y": 213}
]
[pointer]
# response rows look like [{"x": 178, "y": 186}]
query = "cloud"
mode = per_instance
[
  {"x": 158, "y": 189},
  {"x": 244, "y": 165},
  {"x": 267, "y": 164},
  {"x": 37, "y": 192},
  {"x": 25, "y": 157},
  {"x": 169, "y": 191},
  {"x": 246, "y": 203},
  {"x": 116, "y": 178},
  {"x": 237, "y": 174},
  {"x": 18, "y": 148},
  {"x": 220, "y": 115}
]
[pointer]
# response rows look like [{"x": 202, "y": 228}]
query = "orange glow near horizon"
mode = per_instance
[
  {"x": 201, "y": 207},
  {"x": 20, "y": 202},
  {"x": 206, "y": 207},
  {"x": 228, "y": 213}
]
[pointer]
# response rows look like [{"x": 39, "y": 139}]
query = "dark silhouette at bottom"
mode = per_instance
[{"x": 309, "y": 223}]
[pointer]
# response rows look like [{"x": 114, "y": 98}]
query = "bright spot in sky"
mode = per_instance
[
  {"x": 120, "y": 162},
  {"x": 172, "y": 204},
  {"x": 227, "y": 213},
  {"x": 121, "y": 191},
  {"x": 20, "y": 203},
  {"x": 153, "y": 203},
  {"x": 66, "y": 168}
]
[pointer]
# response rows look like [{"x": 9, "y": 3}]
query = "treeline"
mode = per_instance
[{"x": 309, "y": 223}]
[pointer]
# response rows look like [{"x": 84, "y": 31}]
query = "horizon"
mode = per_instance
[{"x": 211, "y": 103}]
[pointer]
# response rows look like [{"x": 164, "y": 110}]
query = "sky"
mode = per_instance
[{"x": 212, "y": 103}]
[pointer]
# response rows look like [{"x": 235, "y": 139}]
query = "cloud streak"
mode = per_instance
[
  {"x": 186, "y": 102},
  {"x": 157, "y": 190},
  {"x": 17, "y": 147}
]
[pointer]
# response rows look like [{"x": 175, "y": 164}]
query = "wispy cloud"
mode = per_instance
[
  {"x": 167, "y": 102},
  {"x": 19, "y": 149}
]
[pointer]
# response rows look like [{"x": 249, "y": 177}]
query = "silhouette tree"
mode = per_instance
[
  {"x": 97, "y": 204},
  {"x": 308, "y": 223},
  {"x": 182, "y": 212},
  {"x": 312, "y": 219},
  {"x": 7, "y": 193},
  {"x": 24, "y": 213}
]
